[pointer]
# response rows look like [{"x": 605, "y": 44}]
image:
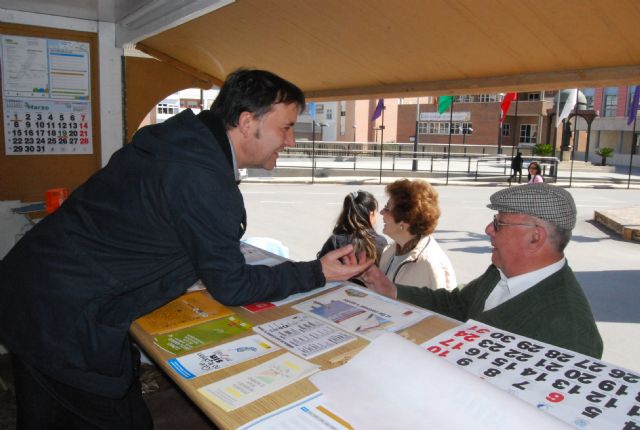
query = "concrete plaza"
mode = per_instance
[{"x": 302, "y": 216}]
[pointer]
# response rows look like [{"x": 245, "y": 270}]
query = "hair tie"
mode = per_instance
[{"x": 354, "y": 194}]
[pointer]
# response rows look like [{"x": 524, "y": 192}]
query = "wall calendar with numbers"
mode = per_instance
[{"x": 46, "y": 89}]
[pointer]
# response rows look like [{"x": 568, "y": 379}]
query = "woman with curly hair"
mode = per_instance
[
  {"x": 355, "y": 225},
  {"x": 410, "y": 217}
]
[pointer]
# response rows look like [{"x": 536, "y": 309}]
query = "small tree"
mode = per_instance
[
  {"x": 605, "y": 152},
  {"x": 543, "y": 149}
]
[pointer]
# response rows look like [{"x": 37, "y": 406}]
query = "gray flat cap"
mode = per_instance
[{"x": 544, "y": 201}]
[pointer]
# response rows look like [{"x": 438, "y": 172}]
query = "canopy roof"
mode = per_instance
[{"x": 346, "y": 49}]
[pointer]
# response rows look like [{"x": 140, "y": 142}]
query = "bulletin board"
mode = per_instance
[{"x": 50, "y": 109}]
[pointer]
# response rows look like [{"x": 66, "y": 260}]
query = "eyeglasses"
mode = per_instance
[
  {"x": 385, "y": 209},
  {"x": 497, "y": 224}
]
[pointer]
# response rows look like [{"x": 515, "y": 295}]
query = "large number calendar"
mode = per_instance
[
  {"x": 580, "y": 390},
  {"x": 46, "y": 96}
]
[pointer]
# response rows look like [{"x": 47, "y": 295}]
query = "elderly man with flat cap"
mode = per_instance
[{"x": 529, "y": 289}]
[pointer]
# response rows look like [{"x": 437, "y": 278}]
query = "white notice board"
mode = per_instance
[{"x": 46, "y": 89}]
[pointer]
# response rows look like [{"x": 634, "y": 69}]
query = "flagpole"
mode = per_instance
[
  {"x": 516, "y": 135},
  {"x": 633, "y": 146},
  {"x": 414, "y": 164},
  {"x": 633, "y": 113},
  {"x": 575, "y": 129},
  {"x": 381, "y": 140},
  {"x": 449, "y": 146}
]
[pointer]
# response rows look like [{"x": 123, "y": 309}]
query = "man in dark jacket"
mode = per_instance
[
  {"x": 529, "y": 289},
  {"x": 165, "y": 212}
]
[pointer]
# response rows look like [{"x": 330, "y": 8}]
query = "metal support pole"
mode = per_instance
[
  {"x": 449, "y": 146},
  {"x": 313, "y": 151}
]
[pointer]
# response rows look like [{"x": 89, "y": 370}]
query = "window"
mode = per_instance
[
  {"x": 528, "y": 133},
  {"x": 167, "y": 109},
  {"x": 588, "y": 94},
  {"x": 443, "y": 127},
  {"x": 190, "y": 103},
  {"x": 610, "y": 101},
  {"x": 506, "y": 129},
  {"x": 328, "y": 114},
  {"x": 533, "y": 96}
]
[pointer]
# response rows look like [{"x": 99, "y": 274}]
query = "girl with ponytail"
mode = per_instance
[{"x": 356, "y": 225}]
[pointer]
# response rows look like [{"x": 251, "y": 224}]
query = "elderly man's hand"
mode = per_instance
[
  {"x": 343, "y": 264},
  {"x": 377, "y": 281}
]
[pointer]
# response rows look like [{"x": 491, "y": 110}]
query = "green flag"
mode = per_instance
[{"x": 444, "y": 102}]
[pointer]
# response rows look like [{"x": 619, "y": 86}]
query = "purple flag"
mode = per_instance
[
  {"x": 378, "y": 111},
  {"x": 633, "y": 109}
]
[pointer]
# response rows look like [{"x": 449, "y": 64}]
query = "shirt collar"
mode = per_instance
[
  {"x": 233, "y": 159},
  {"x": 521, "y": 283}
]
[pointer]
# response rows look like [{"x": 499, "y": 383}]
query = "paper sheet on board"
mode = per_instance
[{"x": 394, "y": 384}]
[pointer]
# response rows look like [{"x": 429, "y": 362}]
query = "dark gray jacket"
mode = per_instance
[{"x": 165, "y": 212}]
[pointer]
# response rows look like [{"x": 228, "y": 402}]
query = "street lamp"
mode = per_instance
[
  {"x": 354, "y": 126},
  {"x": 322, "y": 125},
  {"x": 466, "y": 131}
]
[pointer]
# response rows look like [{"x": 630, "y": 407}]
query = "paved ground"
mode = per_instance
[{"x": 301, "y": 216}]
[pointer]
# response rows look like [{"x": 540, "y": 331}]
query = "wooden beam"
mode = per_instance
[
  {"x": 161, "y": 56},
  {"x": 597, "y": 78}
]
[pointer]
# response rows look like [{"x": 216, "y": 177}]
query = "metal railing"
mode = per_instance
[{"x": 432, "y": 160}]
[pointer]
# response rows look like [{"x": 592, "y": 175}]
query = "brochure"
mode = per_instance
[
  {"x": 187, "y": 310},
  {"x": 304, "y": 335},
  {"x": 261, "y": 306},
  {"x": 308, "y": 413},
  {"x": 245, "y": 387},
  {"x": 201, "y": 335},
  {"x": 225, "y": 355},
  {"x": 363, "y": 312}
]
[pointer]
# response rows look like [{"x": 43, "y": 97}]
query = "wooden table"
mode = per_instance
[{"x": 418, "y": 333}]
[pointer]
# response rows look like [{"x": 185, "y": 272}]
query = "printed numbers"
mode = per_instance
[
  {"x": 528, "y": 346},
  {"x": 518, "y": 355},
  {"x": 555, "y": 397},
  {"x": 491, "y": 345},
  {"x": 625, "y": 376},
  {"x": 557, "y": 355},
  {"x": 38, "y": 132}
]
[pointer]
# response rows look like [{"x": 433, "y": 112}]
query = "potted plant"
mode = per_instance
[{"x": 605, "y": 152}]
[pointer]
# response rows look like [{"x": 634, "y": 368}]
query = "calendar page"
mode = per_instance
[
  {"x": 46, "y": 96},
  {"x": 580, "y": 390}
]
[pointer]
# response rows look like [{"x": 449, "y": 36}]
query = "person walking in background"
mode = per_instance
[
  {"x": 516, "y": 168},
  {"x": 356, "y": 226},
  {"x": 410, "y": 218},
  {"x": 535, "y": 173}
]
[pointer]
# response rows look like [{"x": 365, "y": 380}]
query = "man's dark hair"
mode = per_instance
[{"x": 253, "y": 91}]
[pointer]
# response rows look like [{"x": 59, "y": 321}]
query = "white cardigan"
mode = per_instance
[{"x": 426, "y": 265}]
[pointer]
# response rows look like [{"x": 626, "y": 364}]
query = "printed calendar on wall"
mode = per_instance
[{"x": 46, "y": 96}]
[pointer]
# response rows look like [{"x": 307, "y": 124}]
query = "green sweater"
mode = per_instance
[{"x": 554, "y": 311}]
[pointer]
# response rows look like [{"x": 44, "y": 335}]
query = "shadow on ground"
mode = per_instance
[{"x": 614, "y": 294}]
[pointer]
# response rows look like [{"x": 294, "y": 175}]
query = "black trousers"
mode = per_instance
[{"x": 44, "y": 403}]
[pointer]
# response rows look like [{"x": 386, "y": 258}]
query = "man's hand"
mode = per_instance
[
  {"x": 376, "y": 280},
  {"x": 342, "y": 264}
]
